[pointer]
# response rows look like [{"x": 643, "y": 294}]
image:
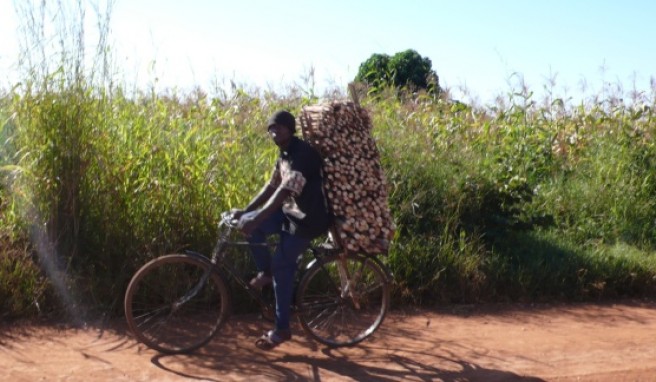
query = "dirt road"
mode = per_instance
[{"x": 564, "y": 342}]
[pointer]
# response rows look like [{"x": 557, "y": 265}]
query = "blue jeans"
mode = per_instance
[{"x": 282, "y": 265}]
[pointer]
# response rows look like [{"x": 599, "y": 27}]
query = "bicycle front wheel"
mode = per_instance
[
  {"x": 170, "y": 308},
  {"x": 343, "y": 301}
]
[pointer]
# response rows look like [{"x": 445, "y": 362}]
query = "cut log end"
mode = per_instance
[{"x": 354, "y": 182}]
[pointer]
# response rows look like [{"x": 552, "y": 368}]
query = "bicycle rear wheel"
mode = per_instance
[
  {"x": 342, "y": 302},
  {"x": 155, "y": 310}
]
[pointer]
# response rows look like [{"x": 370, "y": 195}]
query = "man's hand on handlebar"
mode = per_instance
[
  {"x": 236, "y": 213},
  {"x": 245, "y": 221}
]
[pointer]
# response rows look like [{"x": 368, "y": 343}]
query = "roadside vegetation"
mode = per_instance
[{"x": 522, "y": 200}]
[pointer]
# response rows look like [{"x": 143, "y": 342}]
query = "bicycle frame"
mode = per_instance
[{"x": 217, "y": 257}]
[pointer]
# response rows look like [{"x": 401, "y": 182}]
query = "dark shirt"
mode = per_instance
[{"x": 298, "y": 169}]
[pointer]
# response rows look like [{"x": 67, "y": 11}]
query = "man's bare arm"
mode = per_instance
[
  {"x": 274, "y": 202},
  {"x": 260, "y": 199}
]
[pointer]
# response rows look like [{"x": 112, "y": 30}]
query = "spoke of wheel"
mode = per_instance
[
  {"x": 371, "y": 289},
  {"x": 328, "y": 322},
  {"x": 319, "y": 318},
  {"x": 147, "y": 317}
]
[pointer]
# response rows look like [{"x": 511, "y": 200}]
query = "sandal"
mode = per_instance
[{"x": 272, "y": 339}]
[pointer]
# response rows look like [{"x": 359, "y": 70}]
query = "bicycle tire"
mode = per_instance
[
  {"x": 332, "y": 319},
  {"x": 157, "y": 286}
]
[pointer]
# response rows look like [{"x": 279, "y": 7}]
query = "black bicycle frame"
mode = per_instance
[{"x": 216, "y": 261}]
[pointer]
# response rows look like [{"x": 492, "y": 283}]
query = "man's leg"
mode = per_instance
[
  {"x": 261, "y": 256},
  {"x": 284, "y": 265}
]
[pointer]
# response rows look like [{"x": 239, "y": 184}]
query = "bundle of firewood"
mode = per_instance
[{"x": 354, "y": 181}]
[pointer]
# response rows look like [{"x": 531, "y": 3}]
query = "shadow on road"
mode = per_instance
[
  {"x": 393, "y": 368},
  {"x": 398, "y": 356}
]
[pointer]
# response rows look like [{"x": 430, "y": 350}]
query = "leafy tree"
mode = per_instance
[
  {"x": 375, "y": 70},
  {"x": 407, "y": 68}
]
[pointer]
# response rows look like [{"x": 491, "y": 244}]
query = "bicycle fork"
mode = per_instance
[{"x": 193, "y": 291}]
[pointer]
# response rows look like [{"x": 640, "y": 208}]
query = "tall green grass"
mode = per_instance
[
  {"x": 489, "y": 204},
  {"x": 534, "y": 201},
  {"x": 117, "y": 180}
]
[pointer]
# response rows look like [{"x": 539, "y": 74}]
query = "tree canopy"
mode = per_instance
[{"x": 407, "y": 68}]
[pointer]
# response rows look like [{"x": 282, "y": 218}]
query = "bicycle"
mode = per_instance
[{"x": 178, "y": 302}]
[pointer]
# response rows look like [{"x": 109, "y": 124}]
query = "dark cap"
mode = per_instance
[{"x": 283, "y": 118}]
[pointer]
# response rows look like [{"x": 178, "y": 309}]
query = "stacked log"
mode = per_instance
[{"x": 354, "y": 182}]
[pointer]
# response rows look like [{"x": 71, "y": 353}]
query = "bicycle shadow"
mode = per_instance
[
  {"x": 341, "y": 369},
  {"x": 401, "y": 368},
  {"x": 398, "y": 355}
]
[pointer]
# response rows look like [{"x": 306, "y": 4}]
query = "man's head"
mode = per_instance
[
  {"x": 283, "y": 118},
  {"x": 281, "y": 128}
]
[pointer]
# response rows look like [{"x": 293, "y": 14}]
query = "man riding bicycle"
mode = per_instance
[{"x": 292, "y": 205}]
